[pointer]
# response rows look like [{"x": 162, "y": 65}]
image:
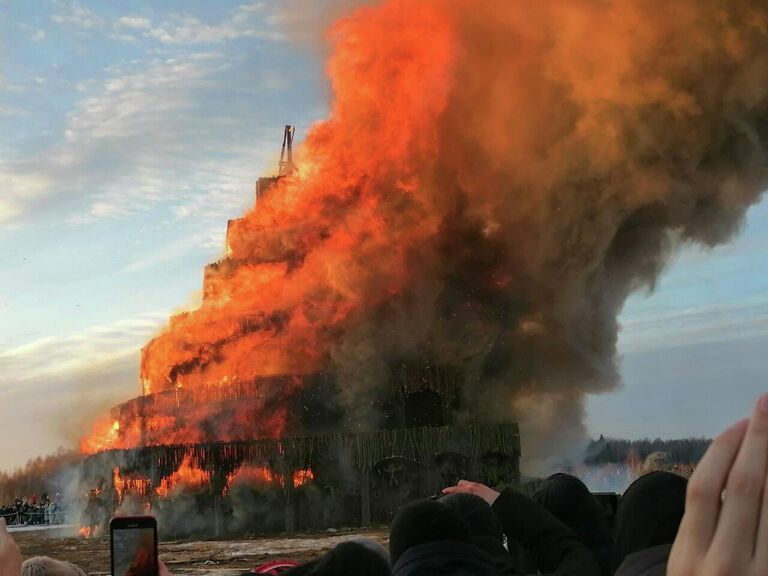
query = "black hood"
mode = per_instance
[{"x": 444, "y": 558}]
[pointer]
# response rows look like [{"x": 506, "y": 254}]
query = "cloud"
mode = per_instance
[
  {"x": 250, "y": 21},
  {"x": 149, "y": 137},
  {"x": 56, "y": 413},
  {"x": 59, "y": 357},
  {"x": 122, "y": 144},
  {"x": 130, "y": 102},
  {"x": 660, "y": 329},
  {"x": 7, "y": 86},
  {"x": 38, "y": 35},
  {"x": 9, "y": 209},
  {"x": 254, "y": 20},
  {"x": 223, "y": 186},
  {"x": 134, "y": 22},
  {"x": 159, "y": 256},
  {"x": 13, "y": 87},
  {"x": 227, "y": 184},
  {"x": 134, "y": 138},
  {"x": 166, "y": 132},
  {"x": 126, "y": 28},
  {"x": 74, "y": 14},
  {"x": 142, "y": 124},
  {"x": 52, "y": 359},
  {"x": 11, "y": 110},
  {"x": 19, "y": 186},
  {"x": 48, "y": 380}
]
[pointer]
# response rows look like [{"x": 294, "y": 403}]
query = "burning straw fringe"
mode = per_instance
[{"x": 363, "y": 450}]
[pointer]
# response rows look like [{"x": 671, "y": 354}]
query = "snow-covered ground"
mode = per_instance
[
  {"x": 67, "y": 528},
  {"x": 194, "y": 558},
  {"x": 288, "y": 546}
]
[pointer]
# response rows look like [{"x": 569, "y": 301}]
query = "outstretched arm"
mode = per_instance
[{"x": 552, "y": 545}]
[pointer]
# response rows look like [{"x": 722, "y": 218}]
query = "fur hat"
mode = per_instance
[{"x": 44, "y": 566}]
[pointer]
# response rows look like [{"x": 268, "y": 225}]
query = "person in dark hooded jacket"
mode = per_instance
[
  {"x": 428, "y": 538},
  {"x": 360, "y": 557},
  {"x": 646, "y": 524},
  {"x": 486, "y": 531},
  {"x": 551, "y": 545},
  {"x": 569, "y": 499}
]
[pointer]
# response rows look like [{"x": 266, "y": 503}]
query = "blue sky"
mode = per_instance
[
  {"x": 693, "y": 351},
  {"x": 131, "y": 131}
]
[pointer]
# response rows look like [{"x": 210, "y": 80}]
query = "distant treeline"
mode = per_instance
[
  {"x": 39, "y": 475},
  {"x": 618, "y": 451}
]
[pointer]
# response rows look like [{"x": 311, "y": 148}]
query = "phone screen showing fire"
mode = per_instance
[{"x": 133, "y": 552}]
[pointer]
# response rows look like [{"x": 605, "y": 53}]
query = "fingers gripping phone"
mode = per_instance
[{"x": 133, "y": 544}]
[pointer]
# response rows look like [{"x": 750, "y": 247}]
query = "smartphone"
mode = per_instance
[{"x": 133, "y": 544}]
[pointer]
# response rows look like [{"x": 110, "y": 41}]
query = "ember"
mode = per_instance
[{"x": 301, "y": 477}]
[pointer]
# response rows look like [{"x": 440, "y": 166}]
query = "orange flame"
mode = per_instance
[
  {"x": 303, "y": 476},
  {"x": 260, "y": 475},
  {"x": 133, "y": 484},
  {"x": 187, "y": 475},
  {"x": 175, "y": 418},
  {"x": 118, "y": 483},
  {"x": 484, "y": 162},
  {"x": 293, "y": 279},
  {"x": 253, "y": 475},
  {"x": 105, "y": 435}
]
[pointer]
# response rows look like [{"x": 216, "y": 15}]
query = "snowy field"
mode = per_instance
[{"x": 214, "y": 557}]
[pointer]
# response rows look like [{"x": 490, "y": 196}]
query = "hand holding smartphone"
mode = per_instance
[{"x": 133, "y": 545}]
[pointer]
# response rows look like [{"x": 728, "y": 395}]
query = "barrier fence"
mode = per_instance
[{"x": 37, "y": 517}]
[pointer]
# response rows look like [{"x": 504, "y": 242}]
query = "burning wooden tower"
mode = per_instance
[{"x": 281, "y": 452}]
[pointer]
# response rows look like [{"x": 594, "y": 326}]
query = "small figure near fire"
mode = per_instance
[{"x": 94, "y": 516}]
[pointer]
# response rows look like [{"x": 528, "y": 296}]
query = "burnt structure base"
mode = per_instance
[{"x": 359, "y": 479}]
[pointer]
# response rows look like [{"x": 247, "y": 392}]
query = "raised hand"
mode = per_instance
[
  {"x": 10, "y": 556},
  {"x": 725, "y": 527},
  {"x": 486, "y": 493}
]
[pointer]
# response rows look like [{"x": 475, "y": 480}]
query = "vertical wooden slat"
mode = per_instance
[{"x": 365, "y": 496}]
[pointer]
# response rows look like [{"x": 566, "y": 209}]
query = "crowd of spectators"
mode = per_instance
[
  {"x": 33, "y": 510},
  {"x": 715, "y": 524}
]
